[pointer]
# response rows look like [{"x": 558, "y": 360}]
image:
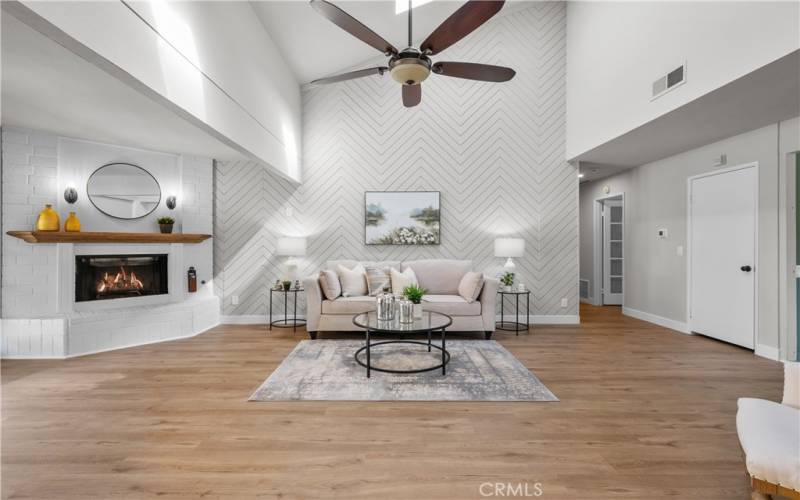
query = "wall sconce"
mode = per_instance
[
  {"x": 172, "y": 202},
  {"x": 70, "y": 195}
]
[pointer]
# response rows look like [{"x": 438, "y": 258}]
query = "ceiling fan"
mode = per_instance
[{"x": 412, "y": 65}]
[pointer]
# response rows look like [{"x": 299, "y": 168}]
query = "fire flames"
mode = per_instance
[{"x": 122, "y": 282}]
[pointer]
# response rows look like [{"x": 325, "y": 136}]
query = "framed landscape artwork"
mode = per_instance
[{"x": 401, "y": 217}]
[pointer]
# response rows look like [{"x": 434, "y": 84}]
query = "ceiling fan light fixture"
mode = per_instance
[
  {"x": 410, "y": 71},
  {"x": 412, "y": 65}
]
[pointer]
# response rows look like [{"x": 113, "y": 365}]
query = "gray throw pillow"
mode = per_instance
[{"x": 377, "y": 280}]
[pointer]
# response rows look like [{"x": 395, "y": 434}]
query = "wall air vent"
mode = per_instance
[
  {"x": 583, "y": 288},
  {"x": 669, "y": 81}
]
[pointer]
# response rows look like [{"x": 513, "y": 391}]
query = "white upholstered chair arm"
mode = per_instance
[
  {"x": 313, "y": 302},
  {"x": 487, "y": 298}
]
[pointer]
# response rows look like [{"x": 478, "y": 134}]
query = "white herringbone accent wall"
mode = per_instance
[{"x": 495, "y": 151}]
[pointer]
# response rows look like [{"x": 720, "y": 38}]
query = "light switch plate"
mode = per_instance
[
  {"x": 679, "y": 250},
  {"x": 564, "y": 302}
]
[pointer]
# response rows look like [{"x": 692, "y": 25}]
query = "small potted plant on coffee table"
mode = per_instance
[
  {"x": 414, "y": 293},
  {"x": 166, "y": 223},
  {"x": 508, "y": 281}
]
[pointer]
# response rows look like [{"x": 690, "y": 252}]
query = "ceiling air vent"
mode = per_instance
[{"x": 669, "y": 81}]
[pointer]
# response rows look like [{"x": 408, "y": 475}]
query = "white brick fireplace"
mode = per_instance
[{"x": 40, "y": 318}]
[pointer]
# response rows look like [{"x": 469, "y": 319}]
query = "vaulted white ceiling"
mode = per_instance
[
  {"x": 47, "y": 87},
  {"x": 314, "y": 47}
]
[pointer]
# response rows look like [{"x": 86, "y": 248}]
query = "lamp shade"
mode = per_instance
[
  {"x": 293, "y": 247},
  {"x": 509, "y": 247}
]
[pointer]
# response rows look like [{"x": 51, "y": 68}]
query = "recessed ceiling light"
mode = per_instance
[{"x": 580, "y": 176}]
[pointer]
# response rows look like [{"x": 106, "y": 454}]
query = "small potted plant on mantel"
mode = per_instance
[
  {"x": 414, "y": 293},
  {"x": 166, "y": 223},
  {"x": 508, "y": 281}
]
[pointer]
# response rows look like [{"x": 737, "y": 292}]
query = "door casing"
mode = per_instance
[
  {"x": 689, "y": 242},
  {"x": 597, "y": 247}
]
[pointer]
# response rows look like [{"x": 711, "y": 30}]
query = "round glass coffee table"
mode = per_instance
[{"x": 429, "y": 323}]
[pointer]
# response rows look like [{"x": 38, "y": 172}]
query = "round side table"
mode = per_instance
[
  {"x": 288, "y": 321},
  {"x": 514, "y": 326}
]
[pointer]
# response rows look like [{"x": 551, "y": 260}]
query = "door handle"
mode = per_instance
[{"x": 746, "y": 269}]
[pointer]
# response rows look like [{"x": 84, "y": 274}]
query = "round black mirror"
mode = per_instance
[{"x": 123, "y": 190}]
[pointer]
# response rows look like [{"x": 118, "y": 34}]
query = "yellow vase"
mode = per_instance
[
  {"x": 48, "y": 220},
  {"x": 72, "y": 224}
]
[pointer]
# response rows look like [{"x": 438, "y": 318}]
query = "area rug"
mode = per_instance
[{"x": 325, "y": 370}]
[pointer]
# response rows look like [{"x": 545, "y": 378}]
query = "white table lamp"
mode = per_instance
[
  {"x": 292, "y": 248},
  {"x": 509, "y": 247}
]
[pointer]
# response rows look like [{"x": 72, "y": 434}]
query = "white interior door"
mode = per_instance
[
  {"x": 613, "y": 281},
  {"x": 722, "y": 239}
]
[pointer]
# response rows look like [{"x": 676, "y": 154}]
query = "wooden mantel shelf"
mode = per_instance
[{"x": 81, "y": 237}]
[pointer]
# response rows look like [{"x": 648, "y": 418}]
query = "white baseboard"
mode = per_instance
[
  {"x": 32, "y": 356},
  {"x": 245, "y": 319},
  {"x": 769, "y": 352},
  {"x": 136, "y": 344},
  {"x": 678, "y": 326},
  {"x": 544, "y": 319},
  {"x": 252, "y": 319},
  {"x": 107, "y": 349}
]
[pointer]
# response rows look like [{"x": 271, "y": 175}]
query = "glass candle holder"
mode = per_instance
[
  {"x": 384, "y": 304},
  {"x": 405, "y": 310}
]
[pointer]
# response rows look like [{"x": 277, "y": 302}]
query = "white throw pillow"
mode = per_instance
[
  {"x": 470, "y": 286},
  {"x": 402, "y": 280},
  {"x": 329, "y": 282},
  {"x": 354, "y": 281}
]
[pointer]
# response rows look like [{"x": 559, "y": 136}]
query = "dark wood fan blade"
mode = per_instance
[
  {"x": 412, "y": 95},
  {"x": 472, "y": 71},
  {"x": 463, "y": 22},
  {"x": 351, "y": 25},
  {"x": 351, "y": 75}
]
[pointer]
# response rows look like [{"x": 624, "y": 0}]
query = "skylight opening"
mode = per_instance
[{"x": 401, "y": 6}]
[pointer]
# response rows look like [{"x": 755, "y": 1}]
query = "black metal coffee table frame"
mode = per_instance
[{"x": 370, "y": 331}]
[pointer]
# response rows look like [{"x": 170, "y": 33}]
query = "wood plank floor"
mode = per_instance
[{"x": 645, "y": 412}]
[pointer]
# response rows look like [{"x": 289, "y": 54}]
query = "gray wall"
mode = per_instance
[
  {"x": 495, "y": 151},
  {"x": 656, "y": 197}
]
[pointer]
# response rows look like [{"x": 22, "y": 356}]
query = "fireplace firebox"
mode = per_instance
[{"x": 104, "y": 277}]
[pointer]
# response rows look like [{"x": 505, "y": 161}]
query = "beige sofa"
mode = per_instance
[{"x": 439, "y": 277}]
